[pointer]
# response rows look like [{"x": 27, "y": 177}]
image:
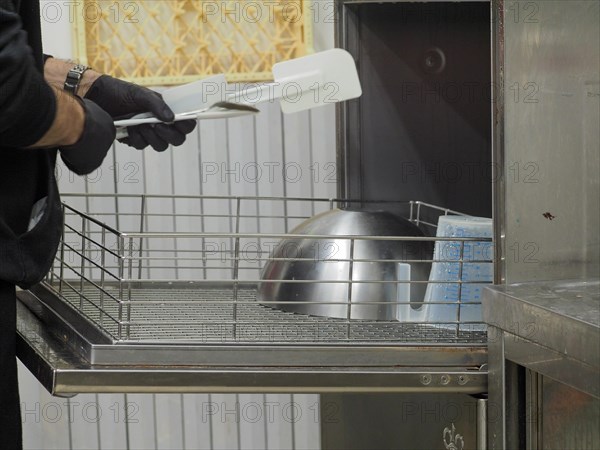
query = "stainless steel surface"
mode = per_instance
[
  {"x": 63, "y": 372},
  {"x": 546, "y": 196},
  {"x": 505, "y": 405},
  {"x": 496, "y": 393},
  {"x": 542, "y": 399},
  {"x": 562, "y": 316},
  {"x": 533, "y": 386},
  {"x": 554, "y": 364},
  {"x": 498, "y": 158},
  {"x": 567, "y": 418},
  {"x": 550, "y": 218},
  {"x": 170, "y": 330},
  {"x": 354, "y": 262},
  {"x": 482, "y": 422},
  {"x": 539, "y": 331},
  {"x": 416, "y": 421}
]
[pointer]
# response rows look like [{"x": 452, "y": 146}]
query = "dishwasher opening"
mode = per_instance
[{"x": 423, "y": 126}]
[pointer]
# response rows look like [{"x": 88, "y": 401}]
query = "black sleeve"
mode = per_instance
[{"x": 27, "y": 103}]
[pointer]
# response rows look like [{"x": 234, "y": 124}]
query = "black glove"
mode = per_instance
[
  {"x": 123, "y": 100},
  {"x": 99, "y": 132}
]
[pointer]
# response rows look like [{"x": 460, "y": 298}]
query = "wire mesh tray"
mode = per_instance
[
  {"x": 182, "y": 281},
  {"x": 206, "y": 315}
]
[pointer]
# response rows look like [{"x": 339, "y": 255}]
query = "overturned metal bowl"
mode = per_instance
[{"x": 313, "y": 274}]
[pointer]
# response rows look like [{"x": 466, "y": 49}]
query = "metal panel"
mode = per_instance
[
  {"x": 539, "y": 330},
  {"x": 498, "y": 186},
  {"x": 399, "y": 421},
  {"x": 496, "y": 401},
  {"x": 560, "y": 315},
  {"x": 551, "y": 363},
  {"x": 551, "y": 138},
  {"x": 568, "y": 418}
]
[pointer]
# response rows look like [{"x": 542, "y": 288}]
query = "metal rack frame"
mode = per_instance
[
  {"x": 119, "y": 313},
  {"x": 64, "y": 373}
]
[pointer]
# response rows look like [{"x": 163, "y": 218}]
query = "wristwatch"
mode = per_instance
[{"x": 74, "y": 78}]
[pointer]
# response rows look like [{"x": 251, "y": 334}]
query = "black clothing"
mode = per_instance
[
  {"x": 27, "y": 104},
  {"x": 27, "y": 110},
  {"x": 99, "y": 133},
  {"x": 10, "y": 417}
]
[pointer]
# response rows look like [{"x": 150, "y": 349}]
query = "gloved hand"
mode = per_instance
[
  {"x": 87, "y": 154},
  {"x": 123, "y": 100}
]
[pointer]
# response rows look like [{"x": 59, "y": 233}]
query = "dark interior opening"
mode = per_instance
[{"x": 422, "y": 129}]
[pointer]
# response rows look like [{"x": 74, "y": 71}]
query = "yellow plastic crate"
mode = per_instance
[{"x": 165, "y": 42}]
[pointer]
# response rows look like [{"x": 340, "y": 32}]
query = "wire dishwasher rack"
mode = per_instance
[{"x": 151, "y": 279}]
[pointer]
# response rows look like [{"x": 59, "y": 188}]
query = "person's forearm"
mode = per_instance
[
  {"x": 56, "y": 70},
  {"x": 68, "y": 123}
]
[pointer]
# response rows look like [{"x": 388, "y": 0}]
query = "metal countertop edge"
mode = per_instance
[
  {"x": 564, "y": 334},
  {"x": 68, "y": 374}
]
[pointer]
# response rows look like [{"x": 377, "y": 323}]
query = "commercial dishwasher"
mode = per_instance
[{"x": 140, "y": 300}]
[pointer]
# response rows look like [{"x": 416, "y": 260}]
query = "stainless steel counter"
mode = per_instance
[
  {"x": 544, "y": 364},
  {"x": 560, "y": 322}
]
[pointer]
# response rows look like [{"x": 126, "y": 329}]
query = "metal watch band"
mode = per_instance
[{"x": 74, "y": 78}]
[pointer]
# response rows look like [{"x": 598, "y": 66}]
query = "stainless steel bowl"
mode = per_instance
[{"x": 315, "y": 275}]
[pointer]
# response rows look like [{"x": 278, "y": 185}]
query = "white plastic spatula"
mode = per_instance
[
  {"x": 307, "y": 82},
  {"x": 300, "y": 84},
  {"x": 197, "y": 100},
  {"x": 196, "y": 95}
]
